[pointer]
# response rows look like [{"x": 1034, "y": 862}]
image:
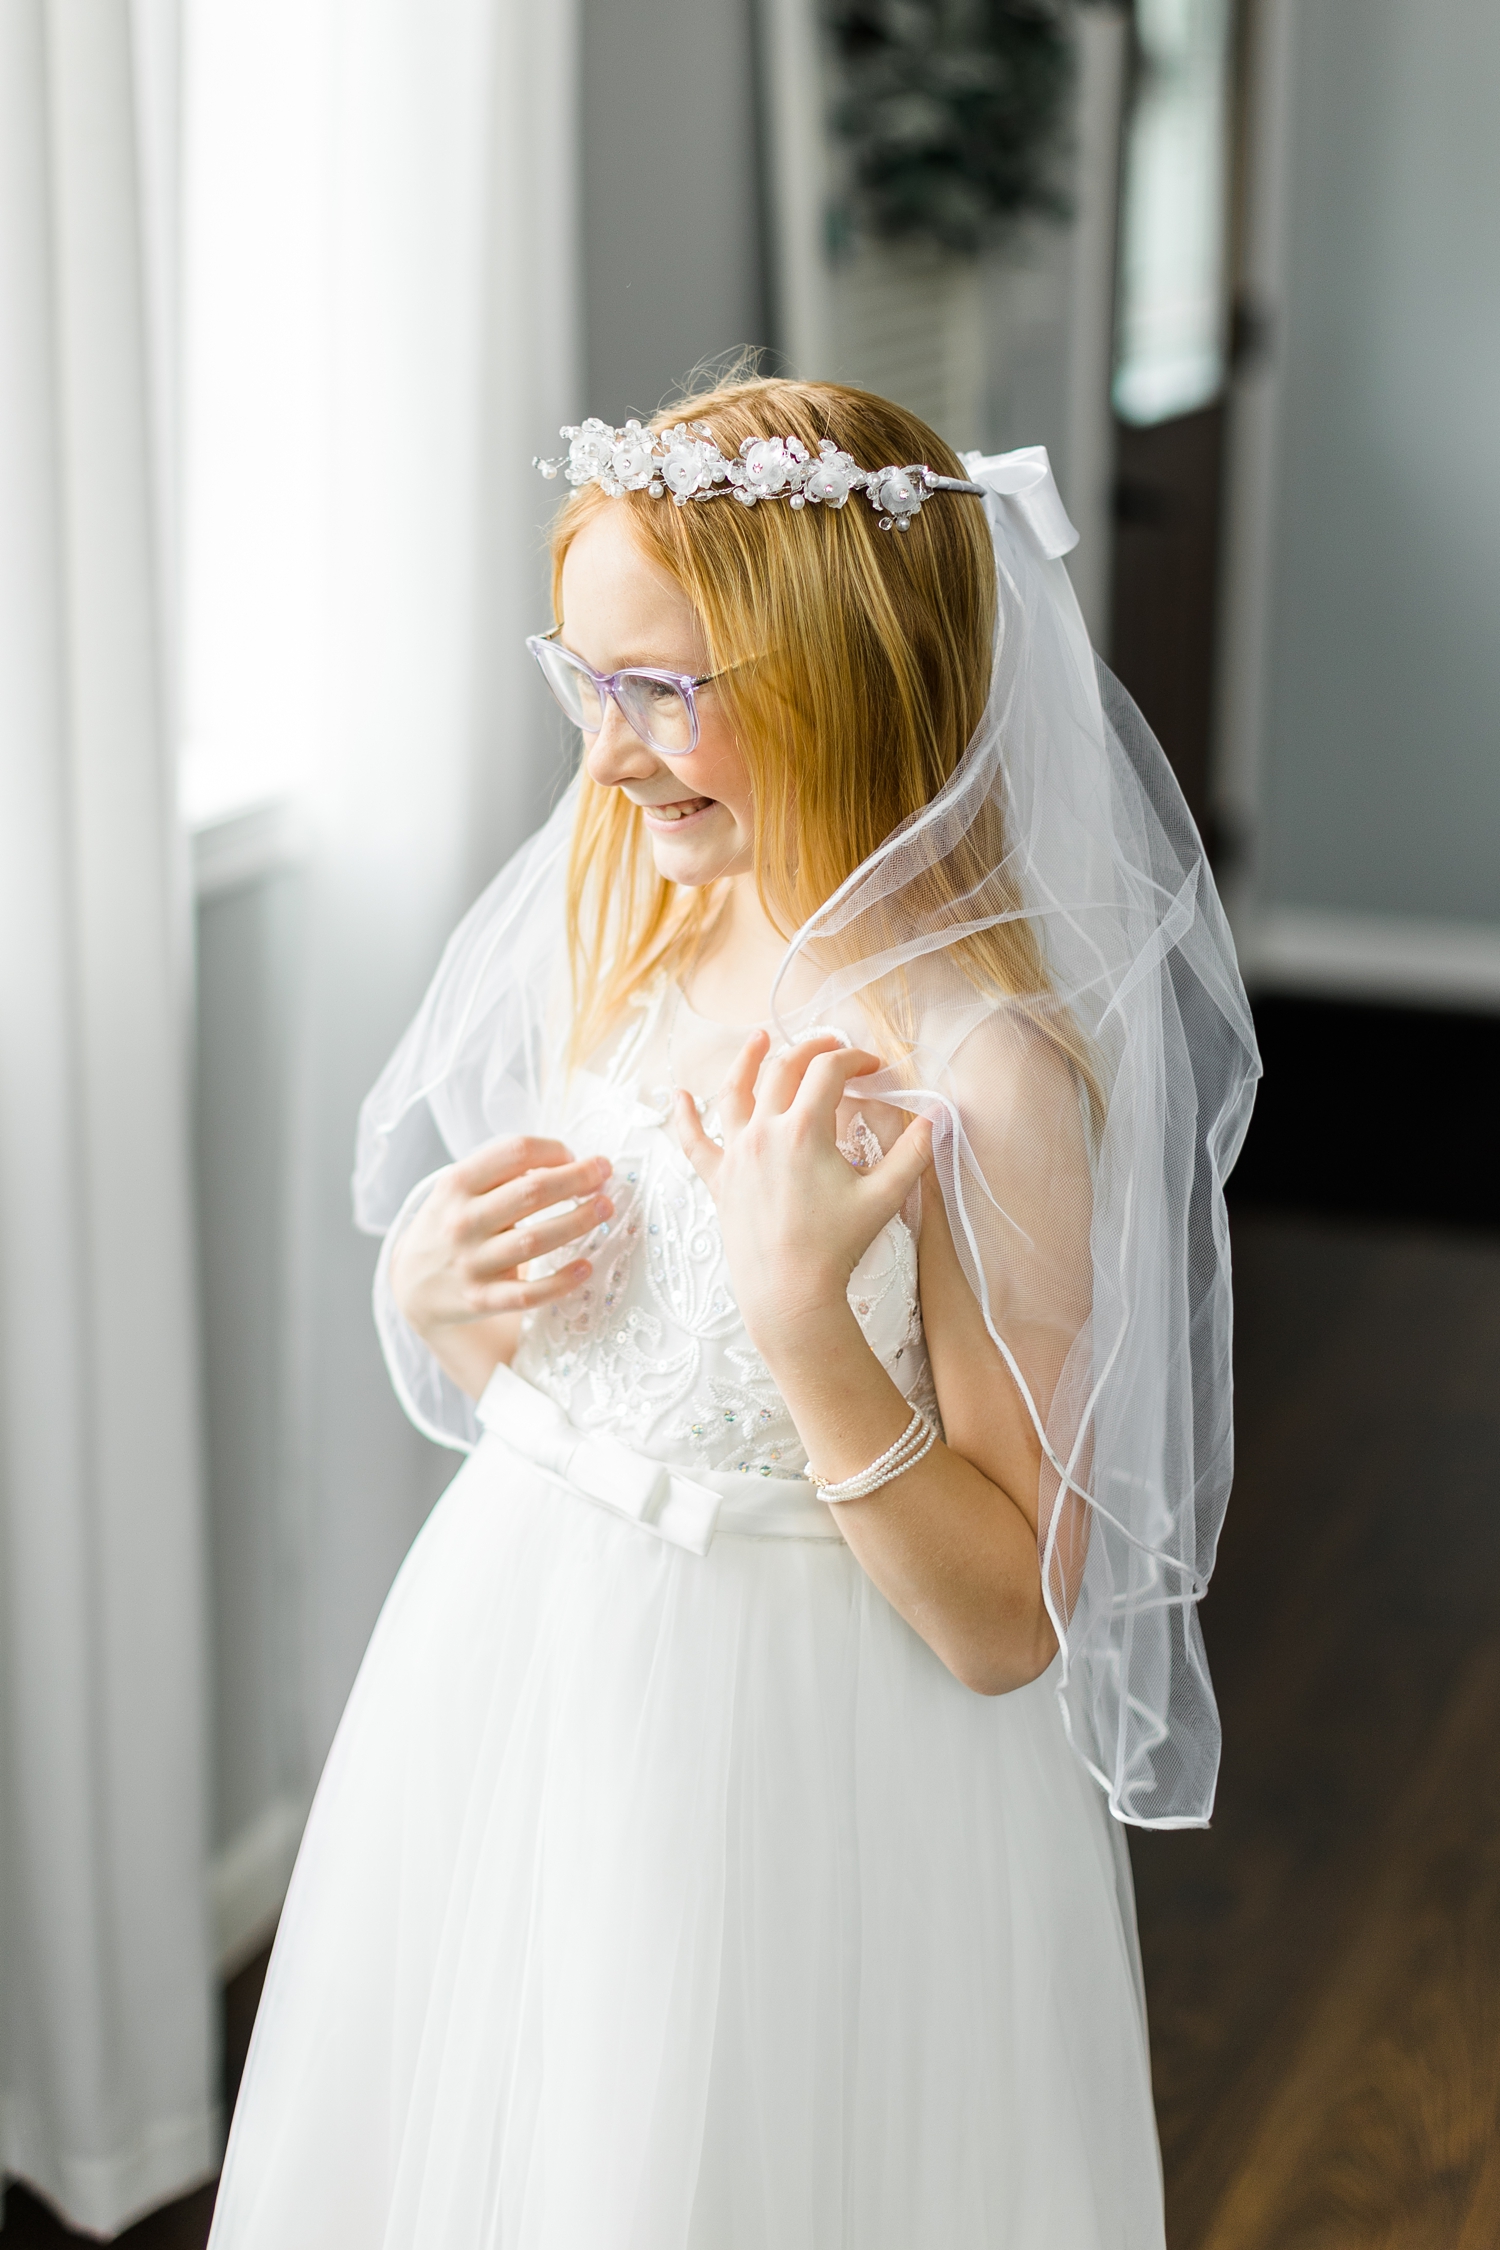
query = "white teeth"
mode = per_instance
[{"x": 676, "y": 812}]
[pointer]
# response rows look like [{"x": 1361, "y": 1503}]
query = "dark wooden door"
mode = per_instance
[{"x": 1166, "y": 551}]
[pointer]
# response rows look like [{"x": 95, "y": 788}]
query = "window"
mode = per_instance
[{"x": 1170, "y": 351}]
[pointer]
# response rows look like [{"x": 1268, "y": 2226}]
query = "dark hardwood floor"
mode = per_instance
[{"x": 1323, "y": 1964}]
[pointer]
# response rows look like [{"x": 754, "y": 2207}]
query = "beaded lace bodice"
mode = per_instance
[{"x": 653, "y": 1348}]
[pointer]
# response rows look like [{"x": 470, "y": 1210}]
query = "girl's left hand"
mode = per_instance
[{"x": 796, "y": 1217}]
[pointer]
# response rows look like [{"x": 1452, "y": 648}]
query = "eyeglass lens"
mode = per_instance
[{"x": 657, "y": 709}]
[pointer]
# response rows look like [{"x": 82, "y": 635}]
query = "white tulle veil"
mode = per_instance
[{"x": 1082, "y": 1175}]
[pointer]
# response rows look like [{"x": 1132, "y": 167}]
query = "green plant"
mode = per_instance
[{"x": 953, "y": 114}]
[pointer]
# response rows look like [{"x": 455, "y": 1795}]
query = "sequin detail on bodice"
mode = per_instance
[{"x": 653, "y": 1349}]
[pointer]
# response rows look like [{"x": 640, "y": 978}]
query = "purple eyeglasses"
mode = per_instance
[{"x": 660, "y": 706}]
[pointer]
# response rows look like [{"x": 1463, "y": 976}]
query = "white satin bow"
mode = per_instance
[
  {"x": 1025, "y": 478},
  {"x": 629, "y": 1484}
]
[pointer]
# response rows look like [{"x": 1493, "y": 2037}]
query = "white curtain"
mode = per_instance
[
  {"x": 450, "y": 362},
  {"x": 106, "y": 2066},
  {"x": 380, "y": 274},
  {"x": 389, "y": 346}
]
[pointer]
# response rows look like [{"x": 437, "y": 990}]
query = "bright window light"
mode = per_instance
[
  {"x": 252, "y": 279},
  {"x": 1171, "y": 336}
]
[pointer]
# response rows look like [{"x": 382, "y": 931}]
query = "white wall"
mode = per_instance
[{"x": 1362, "y": 733}]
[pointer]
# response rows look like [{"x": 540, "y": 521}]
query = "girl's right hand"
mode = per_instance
[{"x": 458, "y": 1258}]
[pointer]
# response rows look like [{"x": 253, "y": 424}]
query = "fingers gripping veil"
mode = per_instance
[{"x": 1089, "y": 1070}]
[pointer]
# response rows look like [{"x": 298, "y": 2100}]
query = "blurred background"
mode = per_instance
[{"x": 291, "y": 291}]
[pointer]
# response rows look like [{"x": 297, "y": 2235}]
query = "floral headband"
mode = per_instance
[{"x": 685, "y": 461}]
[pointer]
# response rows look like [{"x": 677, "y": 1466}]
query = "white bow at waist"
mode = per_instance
[{"x": 684, "y": 1510}]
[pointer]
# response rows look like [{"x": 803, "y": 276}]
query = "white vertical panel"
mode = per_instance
[{"x": 106, "y": 2099}]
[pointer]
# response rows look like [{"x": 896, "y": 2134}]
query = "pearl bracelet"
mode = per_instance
[{"x": 915, "y": 1442}]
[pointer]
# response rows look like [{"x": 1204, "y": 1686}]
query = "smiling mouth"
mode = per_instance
[{"x": 682, "y": 808}]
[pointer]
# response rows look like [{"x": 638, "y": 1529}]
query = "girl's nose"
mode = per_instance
[{"x": 616, "y": 753}]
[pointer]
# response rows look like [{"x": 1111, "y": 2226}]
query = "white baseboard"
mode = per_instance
[
  {"x": 1388, "y": 957},
  {"x": 248, "y": 1879}
]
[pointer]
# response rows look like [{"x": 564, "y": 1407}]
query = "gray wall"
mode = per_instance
[
  {"x": 1380, "y": 788},
  {"x": 673, "y": 250}
]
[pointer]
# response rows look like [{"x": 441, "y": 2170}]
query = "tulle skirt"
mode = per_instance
[{"x": 658, "y": 1902}]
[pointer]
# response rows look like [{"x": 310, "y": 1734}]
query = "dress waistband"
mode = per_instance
[{"x": 685, "y": 1510}]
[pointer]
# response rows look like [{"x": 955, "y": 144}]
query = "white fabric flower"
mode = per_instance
[
  {"x": 590, "y": 448},
  {"x": 633, "y": 463},
  {"x": 896, "y": 493},
  {"x": 684, "y": 470},
  {"x": 767, "y": 465},
  {"x": 831, "y": 479}
]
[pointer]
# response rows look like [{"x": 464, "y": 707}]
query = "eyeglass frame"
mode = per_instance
[{"x": 606, "y": 685}]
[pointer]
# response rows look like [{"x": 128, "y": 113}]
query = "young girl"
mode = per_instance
[{"x": 828, "y": 1280}]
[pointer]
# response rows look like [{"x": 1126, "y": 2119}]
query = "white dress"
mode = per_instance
[{"x": 658, "y": 1899}]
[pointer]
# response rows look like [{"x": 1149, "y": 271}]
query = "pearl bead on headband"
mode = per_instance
[{"x": 685, "y": 462}]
